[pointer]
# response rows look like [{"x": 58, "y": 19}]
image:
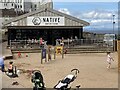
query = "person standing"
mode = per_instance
[
  {"x": 62, "y": 42},
  {"x": 2, "y": 63},
  {"x": 57, "y": 42},
  {"x": 41, "y": 41},
  {"x": 109, "y": 59}
]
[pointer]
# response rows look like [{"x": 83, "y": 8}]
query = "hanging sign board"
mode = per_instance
[{"x": 45, "y": 21}]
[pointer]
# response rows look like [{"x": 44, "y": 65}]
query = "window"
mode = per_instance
[
  {"x": 15, "y": 6},
  {"x": 20, "y": 6},
  {"x": 31, "y": 6},
  {"x": 12, "y": 4},
  {"x": 35, "y": 5}
]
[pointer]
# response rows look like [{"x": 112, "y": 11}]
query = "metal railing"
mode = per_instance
[
  {"x": 27, "y": 44},
  {"x": 35, "y": 44},
  {"x": 90, "y": 44},
  {"x": 86, "y": 42}
]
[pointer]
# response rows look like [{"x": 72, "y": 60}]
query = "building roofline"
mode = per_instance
[{"x": 42, "y": 10}]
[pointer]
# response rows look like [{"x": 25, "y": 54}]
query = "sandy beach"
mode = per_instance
[{"x": 92, "y": 66}]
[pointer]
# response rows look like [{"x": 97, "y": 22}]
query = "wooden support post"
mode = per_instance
[
  {"x": 62, "y": 52},
  {"x": 119, "y": 55},
  {"x": 49, "y": 53},
  {"x": 49, "y": 56},
  {"x": 46, "y": 59},
  {"x": 54, "y": 52},
  {"x": 41, "y": 57}
]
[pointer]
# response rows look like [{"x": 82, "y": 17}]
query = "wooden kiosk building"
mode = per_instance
[{"x": 47, "y": 23}]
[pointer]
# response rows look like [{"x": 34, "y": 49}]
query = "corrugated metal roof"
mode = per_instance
[{"x": 44, "y": 10}]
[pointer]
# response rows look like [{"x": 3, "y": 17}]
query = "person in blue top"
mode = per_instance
[{"x": 2, "y": 63}]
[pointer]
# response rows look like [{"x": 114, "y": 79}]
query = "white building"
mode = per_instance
[
  {"x": 39, "y": 4},
  {"x": 25, "y": 5},
  {"x": 17, "y": 5},
  {"x": 14, "y": 7},
  {"x": 6, "y": 4}
]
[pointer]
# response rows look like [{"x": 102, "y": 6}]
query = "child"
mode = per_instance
[
  {"x": 19, "y": 54},
  {"x": 65, "y": 51},
  {"x": 109, "y": 59},
  {"x": 10, "y": 67}
]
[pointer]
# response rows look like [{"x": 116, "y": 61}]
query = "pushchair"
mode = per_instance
[
  {"x": 37, "y": 80},
  {"x": 65, "y": 84}
]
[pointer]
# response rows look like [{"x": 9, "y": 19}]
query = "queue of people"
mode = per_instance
[
  {"x": 60, "y": 42},
  {"x": 69, "y": 41},
  {"x": 35, "y": 43},
  {"x": 41, "y": 41}
]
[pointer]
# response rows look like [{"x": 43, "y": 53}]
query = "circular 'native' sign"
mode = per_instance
[{"x": 36, "y": 21}]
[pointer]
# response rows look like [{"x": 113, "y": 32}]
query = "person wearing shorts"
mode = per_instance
[{"x": 109, "y": 59}]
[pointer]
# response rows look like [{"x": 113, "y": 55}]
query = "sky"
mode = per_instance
[
  {"x": 98, "y": 14},
  {"x": 85, "y": 0},
  {"x": 73, "y": 1}
]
